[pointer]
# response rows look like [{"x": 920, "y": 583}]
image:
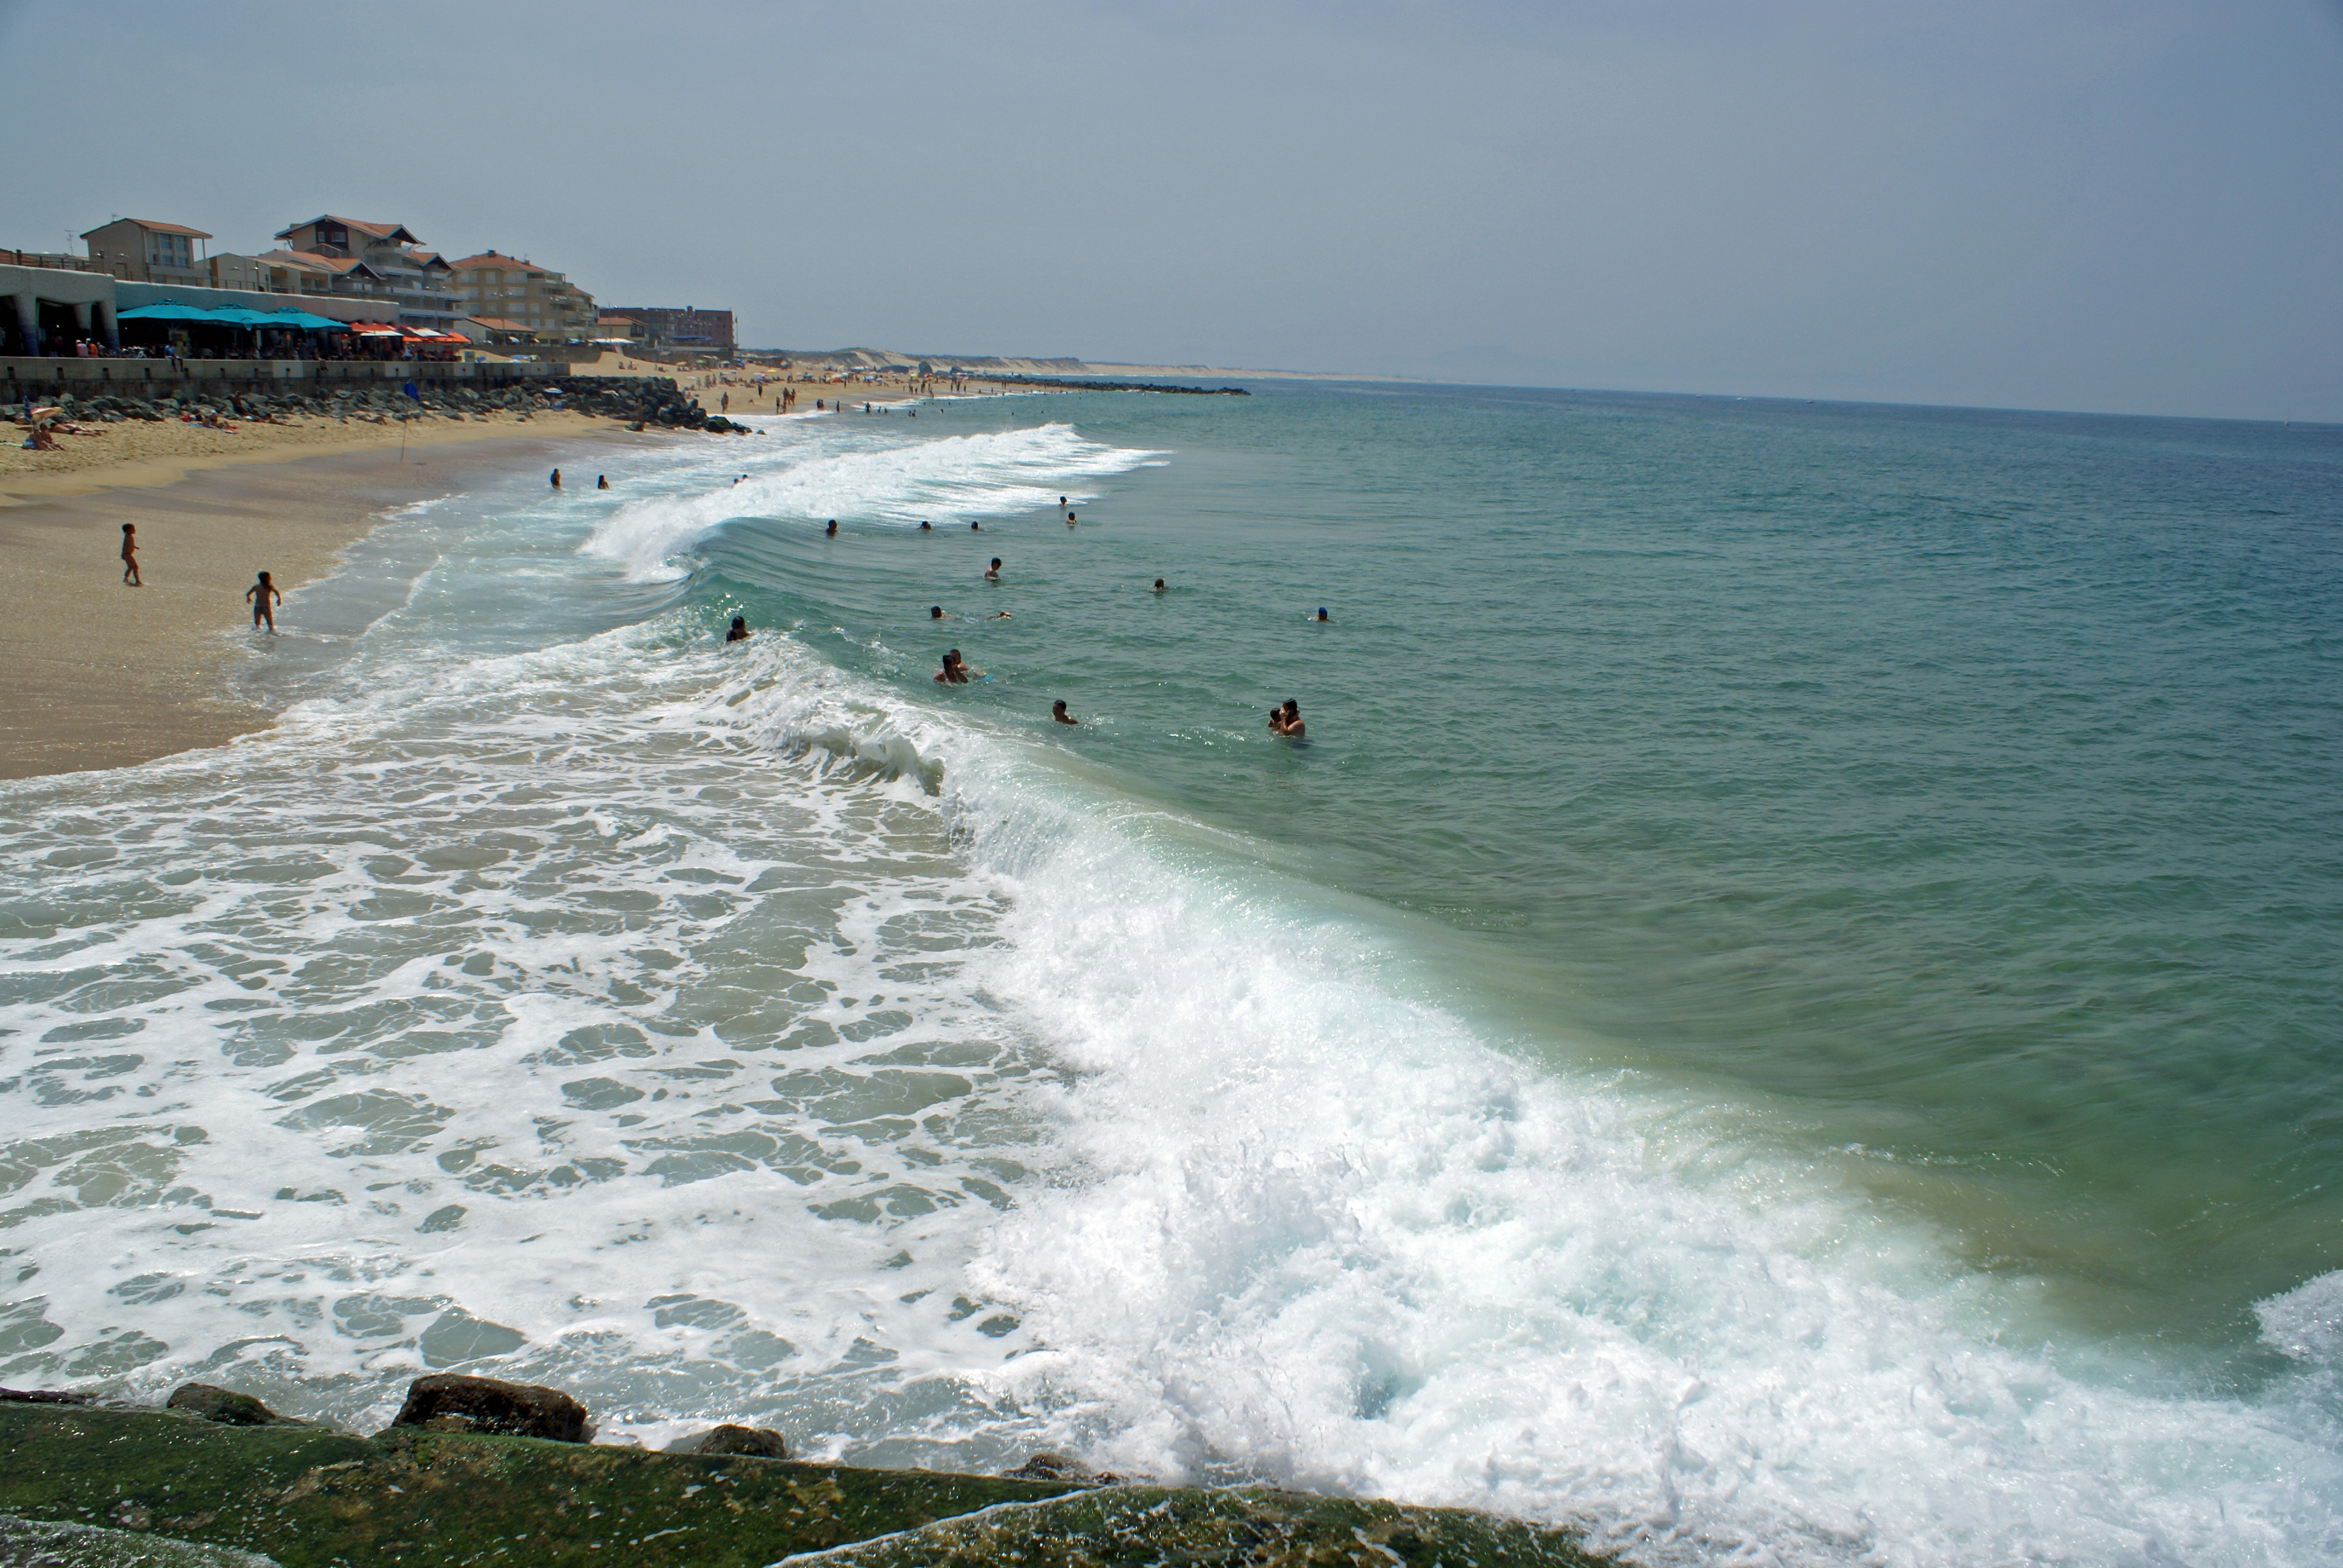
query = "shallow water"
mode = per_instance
[{"x": 1785, "y": 1006}]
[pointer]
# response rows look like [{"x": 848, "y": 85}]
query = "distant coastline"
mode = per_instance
[{"x": 990, "y": 365}]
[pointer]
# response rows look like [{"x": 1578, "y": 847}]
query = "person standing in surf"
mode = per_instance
[{"x": 260, "y": 594}]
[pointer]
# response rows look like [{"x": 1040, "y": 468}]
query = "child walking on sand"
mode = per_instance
[
  {"x": 130, "y": 555},
  {"x": 260, "y": 593}
]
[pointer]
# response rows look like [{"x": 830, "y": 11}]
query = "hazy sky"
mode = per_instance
[{"x": 2131, "y": 205}]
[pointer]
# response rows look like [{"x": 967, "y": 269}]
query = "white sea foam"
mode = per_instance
[
  {"x": 2306, "y": 1322},
  {"x": 728, "y": 1038},
  {"x": 867, "y": 478}
]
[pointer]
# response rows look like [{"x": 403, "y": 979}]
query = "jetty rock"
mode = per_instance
[
  {"x": 1066, "y": 1472},
  {"x": 226, "y": 1406},
  {"x": 451, "y": 1401},
  {"x": 97, "y": 1486},
  {"x": 748, "y": 1442}
]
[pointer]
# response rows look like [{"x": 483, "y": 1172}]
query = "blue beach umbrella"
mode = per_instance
[{"x": 164, "y": 310}]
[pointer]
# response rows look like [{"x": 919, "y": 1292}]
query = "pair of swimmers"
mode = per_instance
[
  {"x": 1286, "y": 721},
  {"x": 955, "y": 672}
]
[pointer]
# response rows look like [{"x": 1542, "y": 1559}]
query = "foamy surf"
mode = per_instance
[
  {"x": 737, "y": 1037},
  {"x": 864, "y": 477}
]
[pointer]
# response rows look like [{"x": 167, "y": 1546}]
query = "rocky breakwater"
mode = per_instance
[
  {"x": 641, "y": 402},
  {"x": 476, "y": 1470}
]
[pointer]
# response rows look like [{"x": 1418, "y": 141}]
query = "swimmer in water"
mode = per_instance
[
  {"x": 950, "y": 674},
  {"x": 601, "y": 481},
  {"x": 1159, "y": 586},
  {"x": 976, "y": 527},
  {"x": 1292, "y": 717},
  {"x": 1058, "y": 711},
  {"x": 740, "y": 632},
  {"x": 924, "y": 527},
  {"x": 935, "y": 612},
  {"x": 1070, "y": 520},
  {"x": 998, "y": 615},
  {"x": 1322, "y": 614},
  {"x": 831, "y": 532},
  {"x": 992, "y": 572}
]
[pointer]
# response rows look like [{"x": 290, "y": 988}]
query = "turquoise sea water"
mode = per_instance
[{"x": 1787, "y": 1004}]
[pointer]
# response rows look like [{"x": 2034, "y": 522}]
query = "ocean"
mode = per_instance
[{"x": 1785, "y": 1008}]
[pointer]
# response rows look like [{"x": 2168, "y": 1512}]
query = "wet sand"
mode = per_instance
[{"x": 94, "y": 674}]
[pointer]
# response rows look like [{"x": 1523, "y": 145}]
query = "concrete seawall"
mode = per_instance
[{"x": 22, "y": 376}]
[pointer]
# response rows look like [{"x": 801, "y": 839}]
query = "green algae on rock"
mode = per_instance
[
  {"x": 1131, "y": 1526},
  {"x": 307, "y": 1497},
  {"x": 310, "y": 1498},
  {"x": 226, "y": 1406}
]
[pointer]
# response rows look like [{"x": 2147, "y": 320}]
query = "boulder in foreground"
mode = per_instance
[{"x": 450, "y": 1402}]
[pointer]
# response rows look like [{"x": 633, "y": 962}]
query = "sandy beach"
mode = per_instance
[{"x": 103, "y": 675}]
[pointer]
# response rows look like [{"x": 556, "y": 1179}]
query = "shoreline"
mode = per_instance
[{"x": 98, "y": 684}]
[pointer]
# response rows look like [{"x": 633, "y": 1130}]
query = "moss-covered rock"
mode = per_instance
[
  {"x": 226, "y": 1406},
  {"x": 750, "y": 1442},
  {"x": 1137, "y": 1527},
  {"x": 310, "y": 1498},
  {"x": 307, "y": 1497}
]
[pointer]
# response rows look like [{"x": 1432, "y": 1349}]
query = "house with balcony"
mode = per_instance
[
  {"x": 140, "y": 250},
  {"x": 301, "y": 272},
  {"x": 413, "y": 282}
]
